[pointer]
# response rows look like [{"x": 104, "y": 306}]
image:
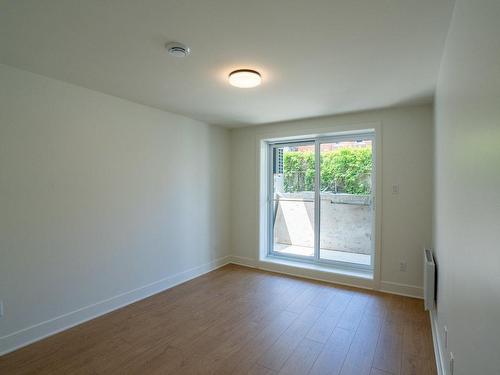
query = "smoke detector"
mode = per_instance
[{"x": 178, "y": 49}]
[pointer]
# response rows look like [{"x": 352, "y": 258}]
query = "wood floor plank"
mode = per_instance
[
  {"x": 244, "y": 359},
  {"x": 324, "y": 326},
  {"x": 362, "y": 350},
  {"x": 238, "y": 320},
  {"x": 378, "y": 304},
  {"x": 304, "y": 299},
  {"x": 416, "y": 340},
  {"x": 302, "y": 358},
  {"x": 160, "y": 359},
  {"x": 260, "y": 370},
  {"x": 354, "y": 312},
  {"x": 332, "y": 357},
  {"x": 413, "y": 365},
  {"x": 339, "y": 301},
  {"x": 376, "y": 371},
  {"x": 324, "y": 297},
  {"x": 388, "y": 355},
  {"x": 278, "y": 353}
]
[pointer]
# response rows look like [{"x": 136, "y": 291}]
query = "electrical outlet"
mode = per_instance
[
  {"x": 395, "y": 189},
  {"x": 1, "y": 308},
  {"x": 452, "y": 363},
  {"x": 445, "y": 337},
  {"x": 402, "y": 266}
]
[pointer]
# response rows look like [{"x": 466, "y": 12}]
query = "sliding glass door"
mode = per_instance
[
  {"x": 293, "y": 204},
  {"x": 346, "y": 201},
  {"x": 320, "y": 200}
]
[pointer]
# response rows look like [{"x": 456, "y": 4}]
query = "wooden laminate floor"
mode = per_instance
[{"x": 237, "y": 320}]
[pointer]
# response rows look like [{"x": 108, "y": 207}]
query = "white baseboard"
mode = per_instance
[
  {"x": 402, "y": 289},
  {"x": 304, "y": 272},
  {"x": 243, "y": 261},
  {"x": 28, "y": 335},
  {"x": 385, "y": 286},
  {"x": 438, "y": 352}
]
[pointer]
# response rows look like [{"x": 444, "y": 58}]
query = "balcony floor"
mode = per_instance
[{"x": 326, "y": 254}]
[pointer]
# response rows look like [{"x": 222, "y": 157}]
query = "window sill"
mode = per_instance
[{"x": 333, "y": 270}]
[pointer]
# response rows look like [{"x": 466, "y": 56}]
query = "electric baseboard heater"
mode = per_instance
[{"x": 429, "y": 279}]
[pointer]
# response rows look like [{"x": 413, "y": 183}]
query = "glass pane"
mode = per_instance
[
  {"x": 345, "y": 191},
  {"x": 293, "y": 200}
]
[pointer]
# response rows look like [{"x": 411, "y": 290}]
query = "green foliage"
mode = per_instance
[
  {"x": 345, "y": 170},
  {"x": 298, "y": 169}
]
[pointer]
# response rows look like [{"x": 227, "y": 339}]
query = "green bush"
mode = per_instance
[
  {"x": 345, "y": 170},
  {"x": 298, "y": 170}
]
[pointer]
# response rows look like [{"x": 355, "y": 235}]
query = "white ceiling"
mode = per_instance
[{"x": 317, "y": 57}]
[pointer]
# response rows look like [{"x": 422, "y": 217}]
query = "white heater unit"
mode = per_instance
[{"x": 429, "y": 279}]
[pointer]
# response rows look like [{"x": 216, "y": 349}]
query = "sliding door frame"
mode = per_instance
[
  {"x": 270, "y": 199},
  {"x": 317, "y": 142}
]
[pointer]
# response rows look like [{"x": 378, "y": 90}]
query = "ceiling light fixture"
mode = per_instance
[{"x": 245, "y": 78}]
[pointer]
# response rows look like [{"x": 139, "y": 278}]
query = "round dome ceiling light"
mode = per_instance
[
  {"x": 178, "y": 49},
  {"x": 245, "y": 78}
]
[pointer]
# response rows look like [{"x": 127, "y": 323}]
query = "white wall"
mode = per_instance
[
  {"x": 467, "y": 191},
  {"x": 406, "y": 160},
  {"x": 98, "y": 197}
]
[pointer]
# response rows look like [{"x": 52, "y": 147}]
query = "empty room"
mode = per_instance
[{"x": 265, "y": 187}]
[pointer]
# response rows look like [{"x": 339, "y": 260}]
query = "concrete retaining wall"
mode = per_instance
[{"x": 346, "y": 221}]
